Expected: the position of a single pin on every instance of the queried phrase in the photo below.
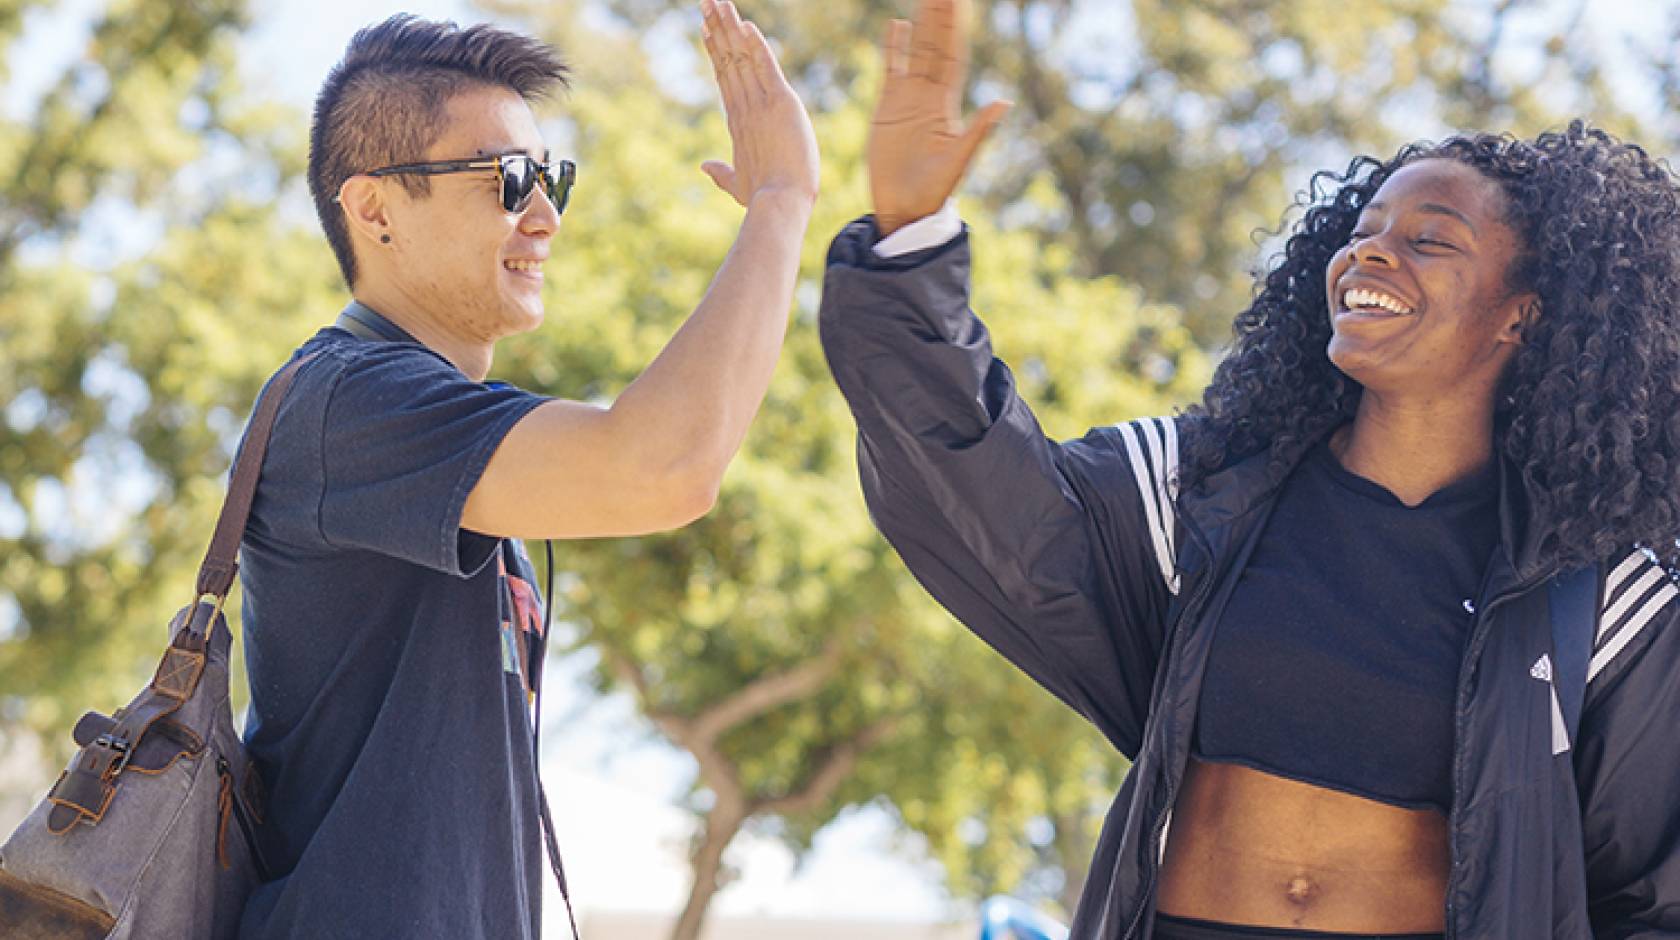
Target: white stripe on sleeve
(1169, 480)
(1622, 572)
(1615, 612)
(1150, 429)
(1151, 495)
(1631, 629)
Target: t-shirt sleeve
(405, 438)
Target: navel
(1302, 891)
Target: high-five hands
(774, 146)
(918, 146)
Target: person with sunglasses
(393, 632)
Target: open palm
(919, 148)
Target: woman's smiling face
(1420, 300)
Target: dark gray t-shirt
(389, 654)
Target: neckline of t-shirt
(1479, 487)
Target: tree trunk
(707, 863)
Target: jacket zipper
(1152, 861)
(1478, 638)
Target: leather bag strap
(221, 561)
(83, 792)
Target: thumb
(980, 128)
(722, 174)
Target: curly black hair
(1589, 409)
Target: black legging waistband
(1168, 927)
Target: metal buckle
(123, 748)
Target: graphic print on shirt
(521, 621)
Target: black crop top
(1336, 661)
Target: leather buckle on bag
(119, 746)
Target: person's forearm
(690, 409)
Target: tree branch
(820, 786)
(759, 696)
(675, 727)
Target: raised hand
(774, 146)
(918, 146)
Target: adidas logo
(1542, 668)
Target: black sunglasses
(517, 173)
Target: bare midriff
(1252, 848)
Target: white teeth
(1360, 297)
(512, 265)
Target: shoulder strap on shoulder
(1574, 610)
(363, 321)
(215, 575)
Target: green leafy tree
(150, 283)
(1162, 157)
(106, 466)
(778, 641)
(1175, 132)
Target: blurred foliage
(1175, 132)
(1115, 219)
(787, 574)
(125, 377)
(1159, 142)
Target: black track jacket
(1082, 564)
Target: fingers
(979, 129)
(895, 49)
(736, 41)
(760, 63)
(721, 29)
(741, 57)
(935, 38)
(711, 35)
(723, 176)
(921, 35)
(773, 144)
(951, 66)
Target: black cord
(549, 841)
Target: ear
(365, 210)
(1522, 312)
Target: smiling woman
(1553, 259)
(1479, 340)
(1421, 308)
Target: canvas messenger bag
(150, 831)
